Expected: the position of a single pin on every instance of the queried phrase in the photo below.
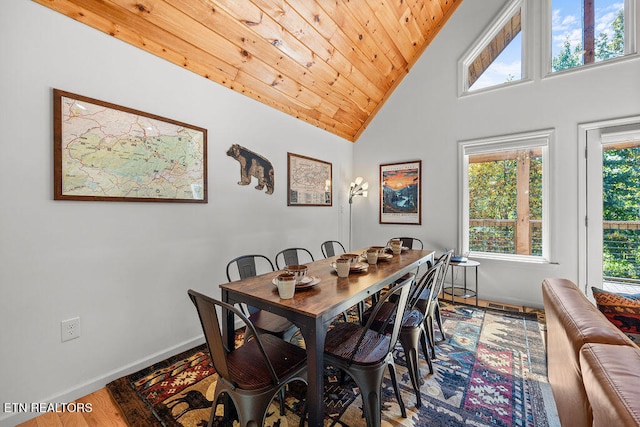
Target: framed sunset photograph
(400, 193)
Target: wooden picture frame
(401, 193)
(309, 181)
(106, 152)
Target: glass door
(613, 207)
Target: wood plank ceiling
(331, 63)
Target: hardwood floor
(106, 413)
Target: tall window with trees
(504, 196)
(588, 31)
(621, 211)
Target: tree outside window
(504, 200)
(586, 31)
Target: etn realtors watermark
(39, 407)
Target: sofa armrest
(611, 378)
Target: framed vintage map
(103, 151)
(309, 181)
(400, 193)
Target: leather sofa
(593, 368)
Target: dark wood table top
(332, 292)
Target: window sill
(594, 65)
(511, 258)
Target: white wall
(124, 268)
(424, 119)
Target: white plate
(306, 282)
(358, 267)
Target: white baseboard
(14, 418)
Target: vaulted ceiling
(331, 63)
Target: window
(589, 31)
(497, 57)
(505, 196)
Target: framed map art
(106, 152)
(309, 181)
(400, 193)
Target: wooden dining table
(313, 309)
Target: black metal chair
(252, 374)
(292, 256)
(332, 248)
(413, 333)
(433, 306)
(410, 242)
(364, 353)
(264, 321)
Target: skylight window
(497, 57)
(507, 67)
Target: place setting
(349, 263)
(395, 247)
(294, 278)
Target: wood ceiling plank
(419, 11)
(183, 26)
(409, 21)
(350, 35)
(434, 10)
(363, 13)
(338, 42)
(300, 111)
(400, 28)
(336, 64)
(307, 35)
(317, 74)
(318, 78)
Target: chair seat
(411, 319)
(267, 321)
(342, 339)
(247, 367)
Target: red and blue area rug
(491, 371)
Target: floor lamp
(358, 188)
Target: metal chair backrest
(290, 256)
(330, 248)
(445, 259)
(206, 307)
(397, 295)
(425, 288)
(246, 265)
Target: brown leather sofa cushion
(572, 321)
(612, 380)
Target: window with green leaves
(504, 196)
(589, 31)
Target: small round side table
(463, 291)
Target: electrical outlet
(70, 329)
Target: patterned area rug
(491, 371)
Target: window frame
(543, 139)
(488, 34)
(632, 18)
